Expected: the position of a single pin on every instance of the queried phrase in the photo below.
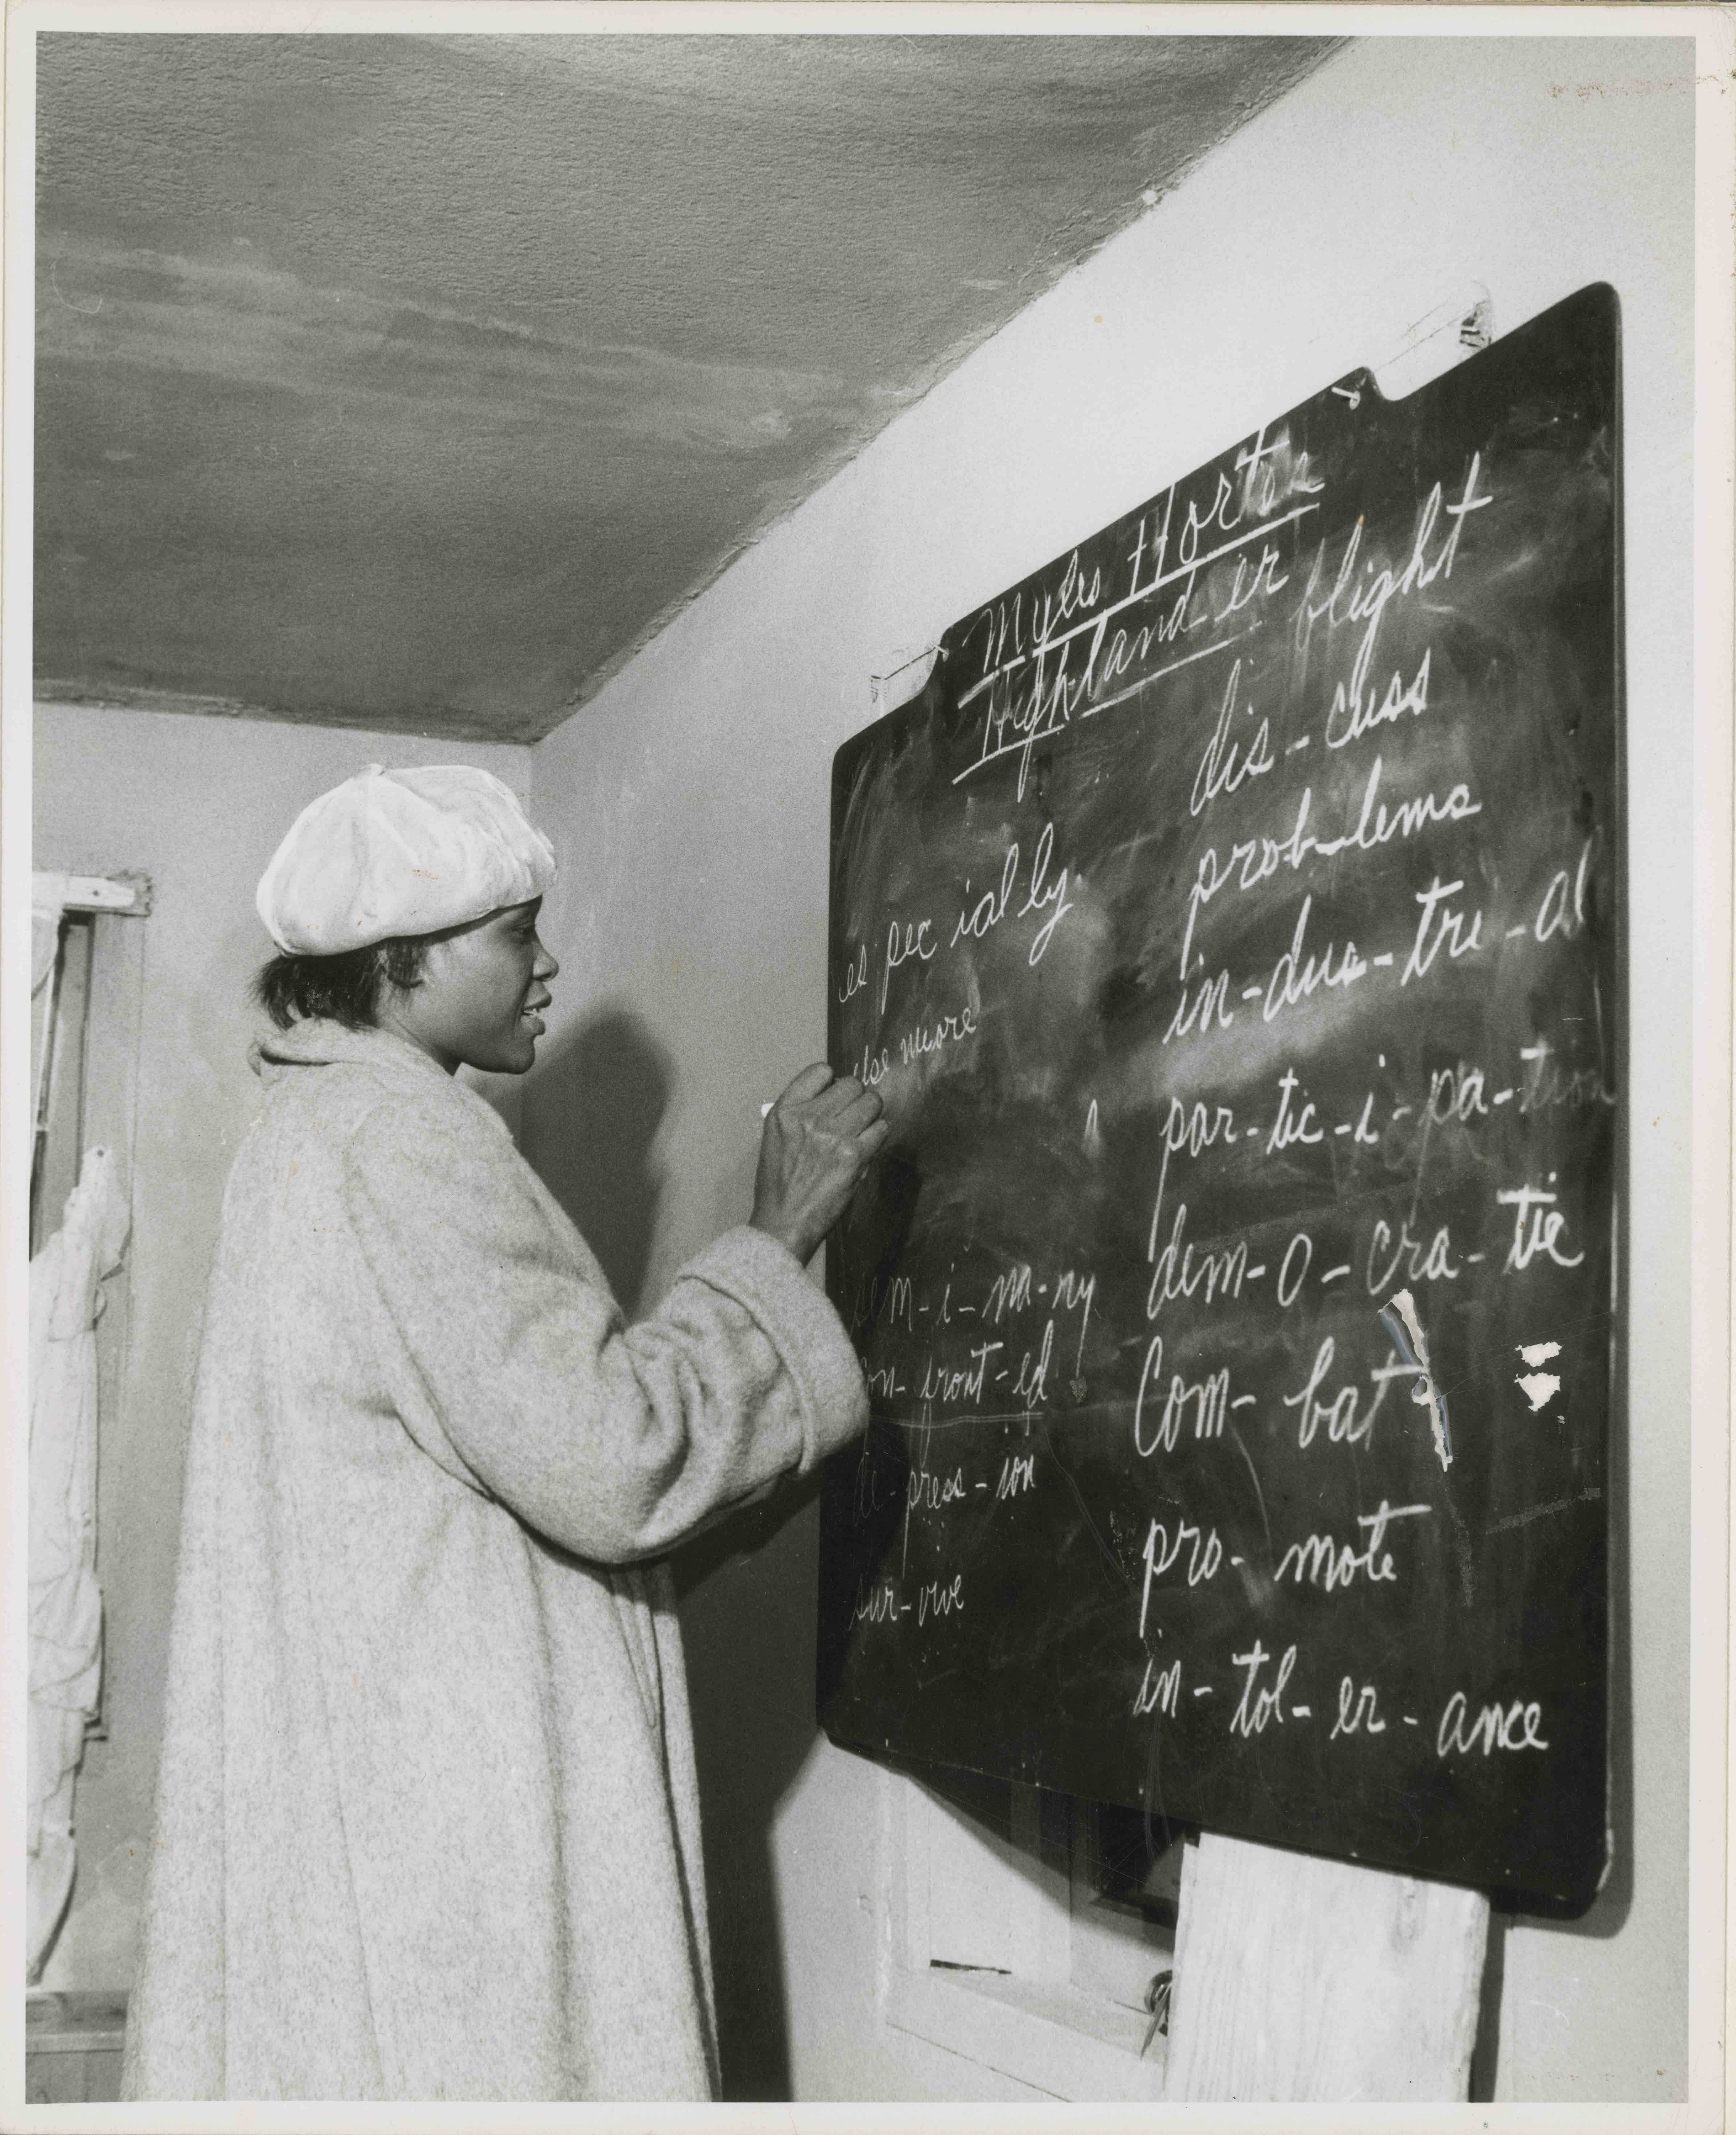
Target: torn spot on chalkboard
(1539, 1388)
(1398, 1316)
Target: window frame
(1031, 2021)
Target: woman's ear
(399, 964)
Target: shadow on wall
(746, 1588)
(603, 1093)
(746, 1592)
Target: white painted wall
(199, 805)
(690, 802)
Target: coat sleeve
(615, 1442)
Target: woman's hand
(819, 1138)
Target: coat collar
(317, 1041)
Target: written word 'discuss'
(1231, 928)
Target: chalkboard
(1232, 927)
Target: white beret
(400, 852)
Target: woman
(427, 1819)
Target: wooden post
(1301, 1980)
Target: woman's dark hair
(345, 988)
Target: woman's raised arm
(615, 1442)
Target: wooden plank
(130, 893)
(1305, 1980)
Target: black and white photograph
(868, 1191)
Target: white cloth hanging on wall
(65, 1603)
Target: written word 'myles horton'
(875, 1245)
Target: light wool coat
(428, 1825)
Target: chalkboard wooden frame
(1235, 927)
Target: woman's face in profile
(480, 987)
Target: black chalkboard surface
(1232, 927)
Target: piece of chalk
(766, 1109)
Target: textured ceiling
(409, 383)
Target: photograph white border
(1714, 29)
